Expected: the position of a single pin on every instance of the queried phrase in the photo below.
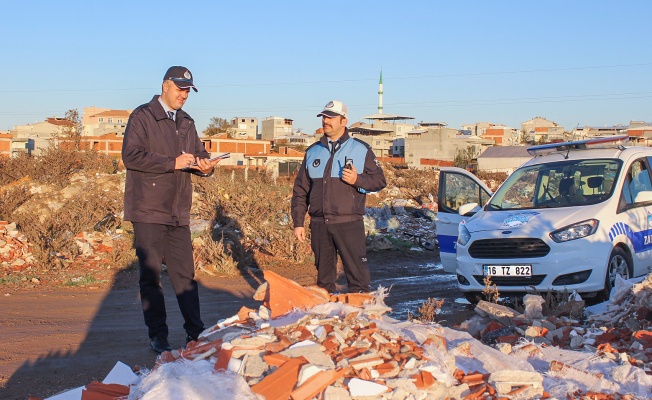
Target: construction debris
(345, 347)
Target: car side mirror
(642, 197)
(469, 209)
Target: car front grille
(509, 248)
(512, 280)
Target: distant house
(33, 138)
(588, 132)
(503, 158)
(502, 135)
(238, 148)
(273, 127)
(5, 144)
(101, 121)
(640, 133)
(539, 129)
(245, 127)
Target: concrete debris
(331, 347)
(405, 220)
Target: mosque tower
(380, 93)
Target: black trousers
(154, 243)
(347, 239)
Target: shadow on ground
(96, 330)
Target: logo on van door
(516, 220)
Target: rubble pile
(16, 253)
(303, 343)
(404, 219)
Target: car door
(636, 213)
(457, 186)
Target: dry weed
(427, 312)
(53, 233)
(254, 210)
(213, 256)
(12, 197)
(490, 292)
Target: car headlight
(575, 231)
(463, 235)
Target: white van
(570, 219)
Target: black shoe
(160, 344)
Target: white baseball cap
(333, 108)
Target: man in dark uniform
(161, 149)
(331, 186)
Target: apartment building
(273, 127)
(101, 121)
(245, 127)
(539, 129)
(502, 135)
(33, 138)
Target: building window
(100, 120)
(110, 120)
(377, 142)
(119, 120)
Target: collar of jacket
(324, 138)
(159, 111)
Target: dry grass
(214, 257)
(52, 232)
(253, 212)
(490, 292)
(427, 312)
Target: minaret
(380, 93)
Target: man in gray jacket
(161, 149)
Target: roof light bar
(602, 142)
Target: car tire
(620, 263)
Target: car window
(558, 184)
(636, 181)
(461, 189)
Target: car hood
(523, 222)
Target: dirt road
(54, 340)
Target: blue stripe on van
(447, 243)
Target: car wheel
(619, 264)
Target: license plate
(507, 270)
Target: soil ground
(55, 339)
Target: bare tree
(73, 131)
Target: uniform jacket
(154, 191)
(319, 189)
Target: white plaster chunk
(507, 377)
(359, 387)
(307, 371)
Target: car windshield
(558, 184)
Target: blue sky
(574, 62)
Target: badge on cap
(329, 105)
(187, 75)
